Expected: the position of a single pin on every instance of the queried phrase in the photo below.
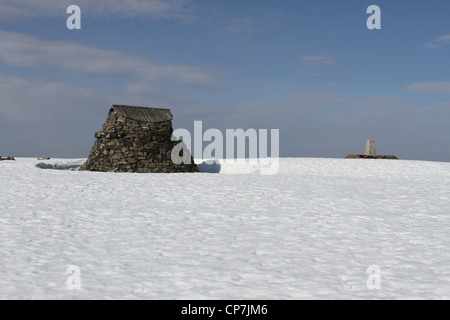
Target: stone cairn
(136, 139)
(370, 153)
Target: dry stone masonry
(136, 139)
(370, 153)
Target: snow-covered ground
(316, 230)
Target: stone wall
(126, 145)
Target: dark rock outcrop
(365, 156)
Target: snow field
(309, 232)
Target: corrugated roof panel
(143, 114)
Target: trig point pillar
(370, 148)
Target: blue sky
(311, 69)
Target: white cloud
(238, 25)
(325, 85)
(382, 103)
(40, 100)
(260, 20)
(21, 50)
(49, 117)
(159, 9)
(316, 60)
(439, 41)
(44, 100)
(434, 87)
